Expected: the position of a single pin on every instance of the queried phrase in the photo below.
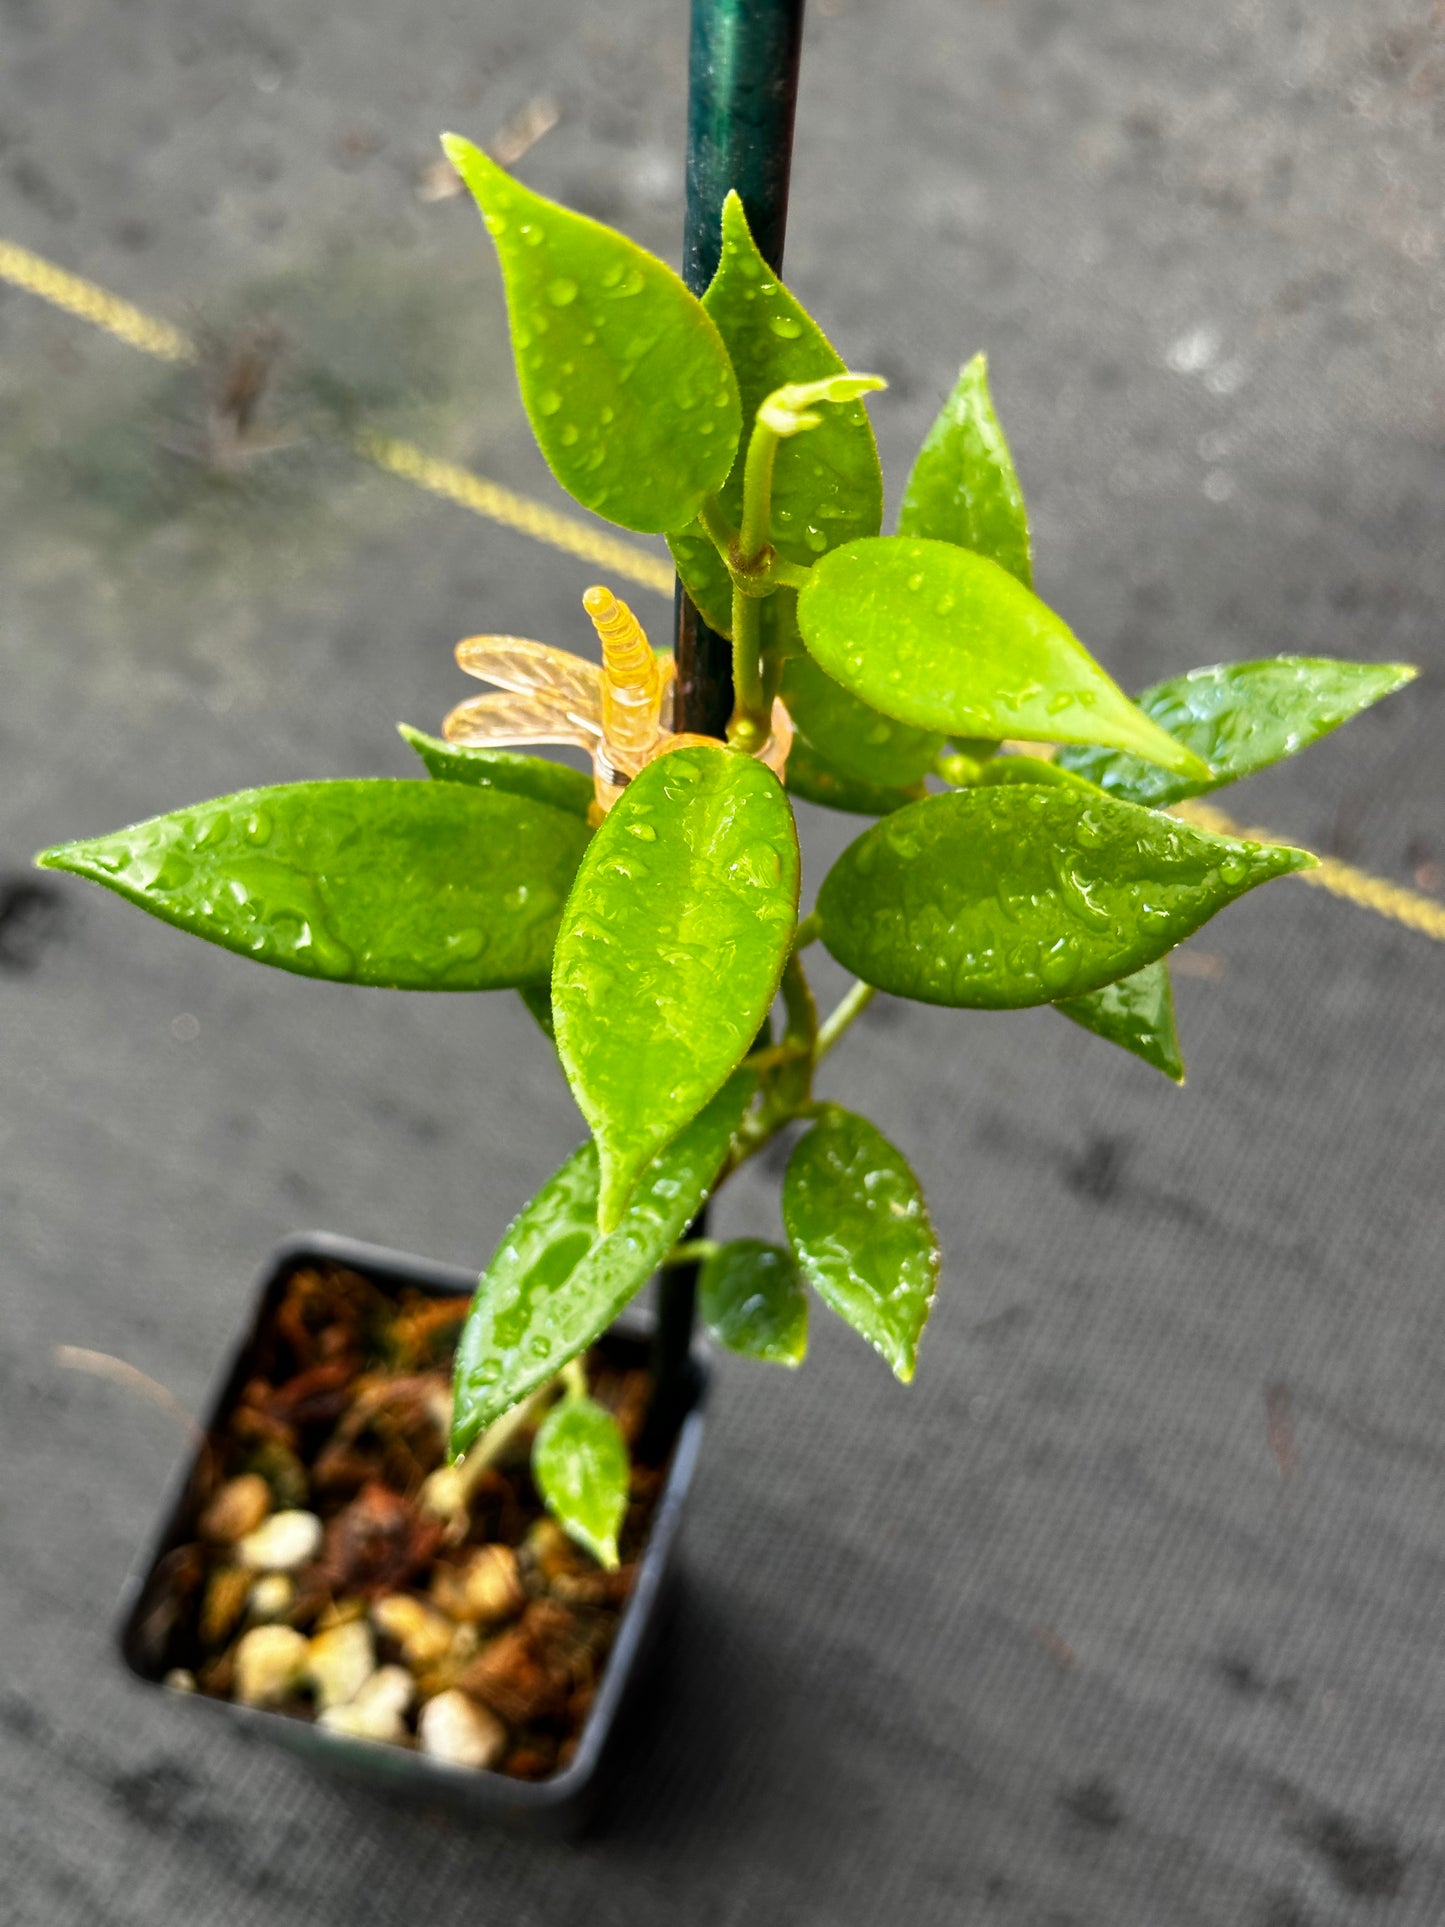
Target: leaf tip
(77, 858)
(460, 151)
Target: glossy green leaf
(671, 948)
(827, 486)
(556, 1281)
(1240, 717)
(859, 1229)
(414, 886)
(855, 740)
(1031, 769)
(947, 640)
(503, 769)
(810, 777)
(997, 898)
(964, 488)
(624, 377)
(581, 1469)
(1137, 1014)
(751, 1299)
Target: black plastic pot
(563, 1802)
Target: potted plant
(436, 1598)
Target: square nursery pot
(562, 1802)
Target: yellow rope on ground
(37, 276)
(1393, 900)
(566, 532)
(132, 325)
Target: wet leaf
(947, 640)
(1001, 770)
(556, 1281)
(752, 1300)
(1137, 1014)
(414, 886)
(671, 948)
(810, 777)
(1240, 717)
(503, 769)
(997, 898)
(964, 488)
(625, 379)
(859, 1229)
(827, 486)
(580, 1465)
(856, 741)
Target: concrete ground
(1128, 1613)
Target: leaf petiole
(720, 530)
(842, 1016)
(692, 1251)
(748, 725)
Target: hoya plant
(1021, 851)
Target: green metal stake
(742, 90)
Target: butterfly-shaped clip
(620, 711)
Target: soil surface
(1127, 1612)
(464, 1624)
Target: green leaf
(997, 898)
(859, 1229)
(1240, 717)
(1137, 1013)
(963, 488)
(556, 1281)
(414, 886)
(810, 777)
(503, 769)
(1001, 770)
(827, 487)
(671, 948)
(581, 1469)
(855, 740)
(947, 640)
(625, 379)
(752, 1300)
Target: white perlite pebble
(270, 1597)
(238, 1508)
(270, 1661)
(282, 1543)
(339, 1662)
(423, 1634)
(377, 1711)
(455, 1729)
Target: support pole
(742, 90)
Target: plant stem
(790, 1051)
(843, 1014)
(722, 533)
(692, 1251)
(748, 726)
(757, 528)
(809, 929)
